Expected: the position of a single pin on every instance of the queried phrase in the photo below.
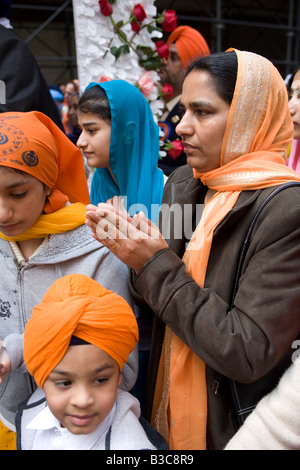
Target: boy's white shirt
(51, 435)
(126, 433)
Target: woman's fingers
(109, 223)
(114, 225)
(91, 207)
(145, 226)
(91, 220)
(133, 240)
(118, 203)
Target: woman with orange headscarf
(225, 340)
(43, 197)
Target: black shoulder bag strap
(246, 396)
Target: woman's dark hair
(222, 67)
(95, 101)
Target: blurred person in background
(294, 105)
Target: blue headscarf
(133, 154)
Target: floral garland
(149, 58)
(115, 39)
(149, 55)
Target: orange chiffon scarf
(253, 155)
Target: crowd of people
(157, 306)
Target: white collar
(49, 430)
(170, 104)
(44, 420)
(5, 22)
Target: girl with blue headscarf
(121, 140)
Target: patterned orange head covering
(31, 142)
(76, 305)
(190, 44)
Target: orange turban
(190, 44)
(76, 305)
(31, 142)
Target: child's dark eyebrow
(17, 183)
(96, 371)
(91, 123)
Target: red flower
(105, 7)
(162, 49)
(139, 12)
(176, 150)
(167, 90)
(140, 15)
(135, 26)
(170, 21)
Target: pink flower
(145, 84)
(170, 21)
(176, 150)
(162, 49)
(139, 12)
(105, 7)
(167, 90)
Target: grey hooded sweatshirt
(23, 285)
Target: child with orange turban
(43, 236)
(75, 345)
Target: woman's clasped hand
(134, 240)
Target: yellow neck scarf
(63, 220)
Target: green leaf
(152, 28)
(147, 50)
(151, 64)
(132, 19)
(161, 17)
(117, 51)
(168, 145)
(124, 49)
(121, 35)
